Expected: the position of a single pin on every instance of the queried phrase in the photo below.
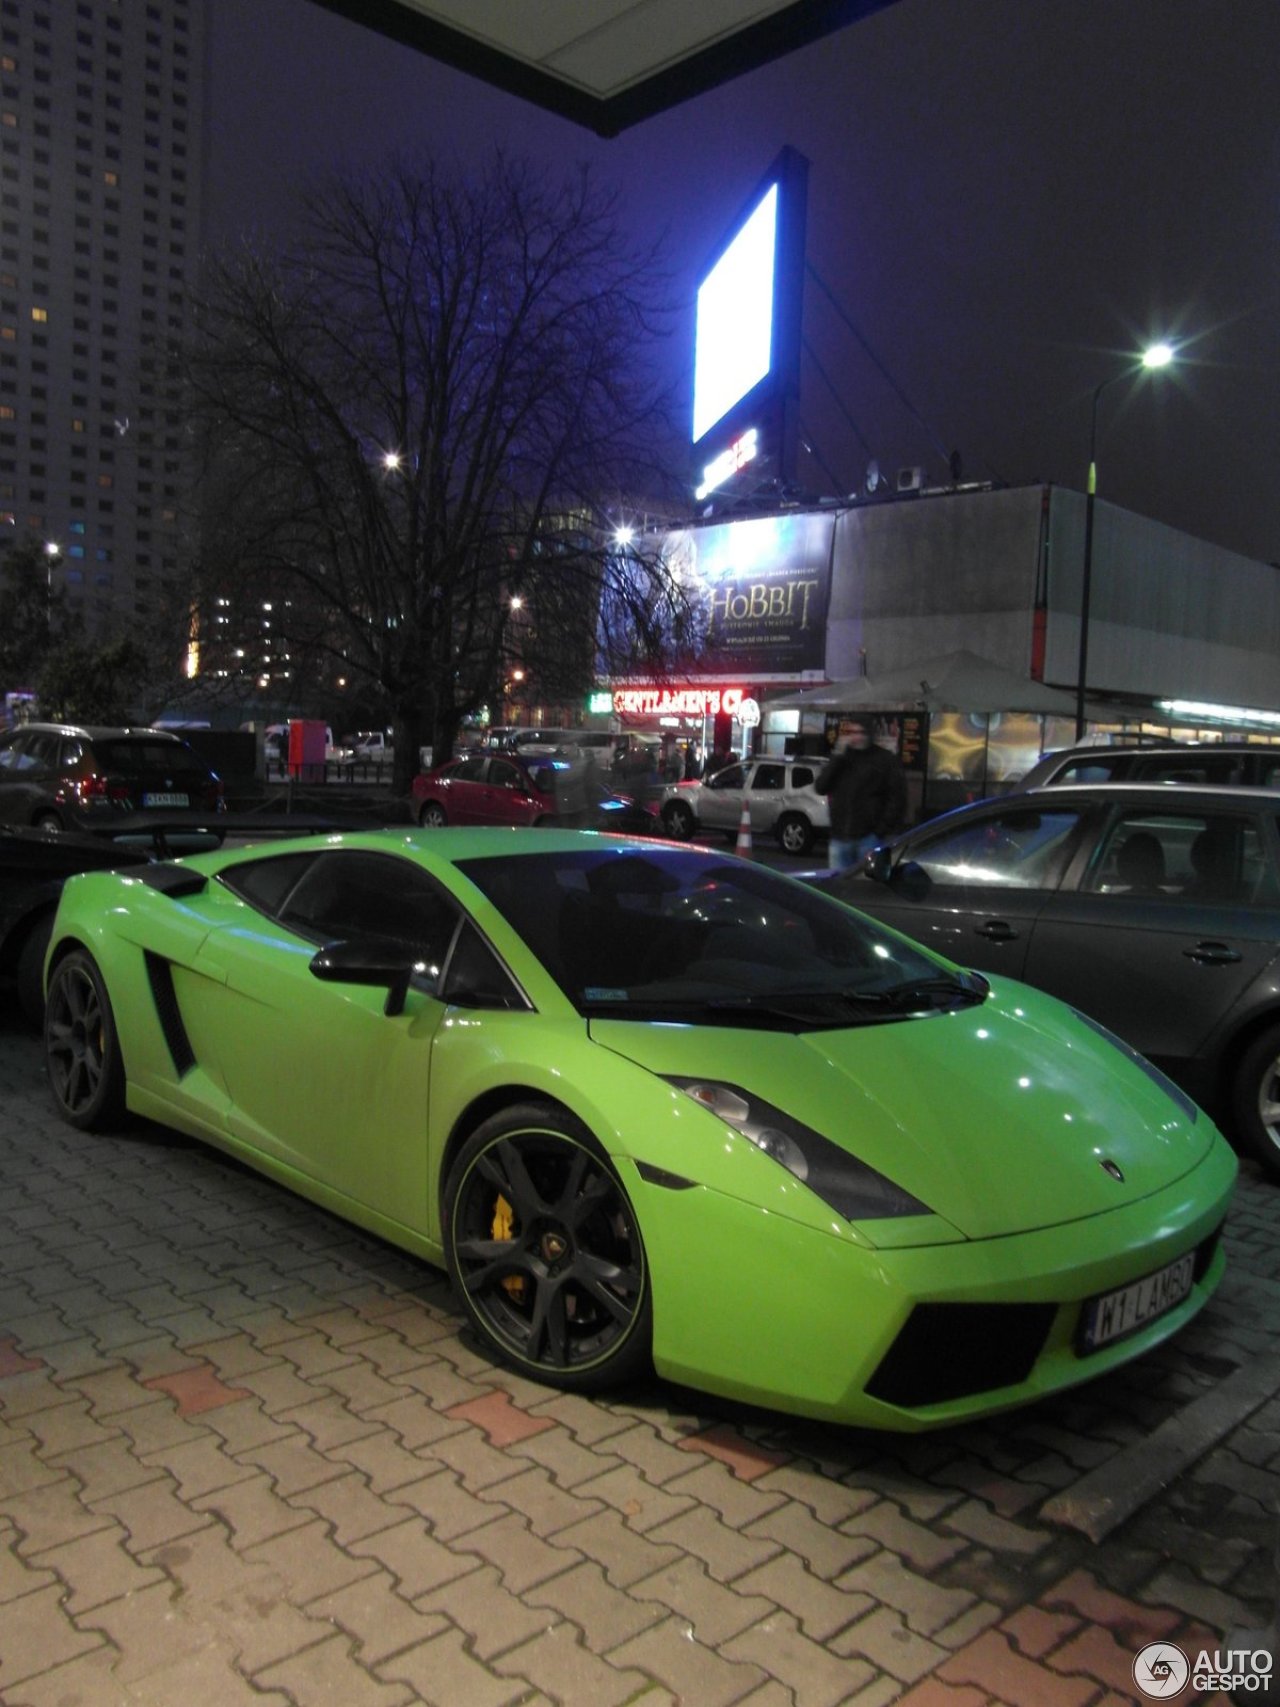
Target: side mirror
(910, 879)
(388, 965)
(878, 865)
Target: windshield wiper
(921, 993)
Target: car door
(766, 787)
(320, 1079)
(721, 798)
(984, 877)
(463, 791)
(1161, 947)
(28, 774)
(509, 798)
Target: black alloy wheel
(542, 1244)
(795, 833)
(81, 1047)
(678, 820)
(432, 816)
(1257, 1099)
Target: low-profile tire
(678, 821)
(544, 1250)
(795, 833)
(81, 1046)
(30, 970)
(1257, 1099)
(432, 816)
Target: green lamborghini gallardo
(654, 1105)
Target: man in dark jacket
(866, 792)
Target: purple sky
(1008, 196)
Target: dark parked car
(1155, 910)
(1228, 763)
(61, 776)
(515, 790)
(34, 865)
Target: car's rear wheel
(1257, 1099)
(543, 1246)
(30, 969)
(432, 815)
(795, 833)
(678, 820)
(81, 1046)
(47, 821)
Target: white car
(779, 793)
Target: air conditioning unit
(910, 479)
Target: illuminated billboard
(747, 334)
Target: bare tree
(411, 412)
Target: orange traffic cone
(743, 846)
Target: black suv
(64, 776)
(1216, 763)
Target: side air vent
(172, 879)
(160, 974)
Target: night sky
(1009, 197)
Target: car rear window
(141, 757)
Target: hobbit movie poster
(761, 588)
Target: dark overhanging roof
(605, 64)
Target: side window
(1197, 767)
(40, 752)
(469, 770)
(1021, 849)
(350, 895)
(1203, 858)
(475, 977)
(264, 883)
(769, 776)
(1268, 772)
(1086, 770)
(732, 776)
(9, 755)
(503, 774)
(801, 776)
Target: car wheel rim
(1269, 1101)
(432, 817)
(77, 1039)
(547, 1251)
(680, 823)
(793, 838)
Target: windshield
(685, 934)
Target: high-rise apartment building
(101, 129)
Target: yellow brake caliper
(504, 1227)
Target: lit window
(40, 314)
(111, 177)
(77, 426)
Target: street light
(1156, 356)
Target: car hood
(1003, 1118)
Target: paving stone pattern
(247, 1455)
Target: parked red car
(500, 788)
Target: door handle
(1213, 954)
(996, 930)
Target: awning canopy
(605, 64)
(956, 681)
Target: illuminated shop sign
(726, 465)
(676, 702)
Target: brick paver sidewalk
(246, 1456)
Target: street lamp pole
(1157, 356)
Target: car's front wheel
(678, 820)
(543, 1247)
(432, 816)
(81, 1046)
(795, 833)
(1257, 1099)
(47, 820)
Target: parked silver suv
(779, 793)
(1218, 763)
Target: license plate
(1131, 1307)
(166, 800)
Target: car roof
(1159, 747)
(100, 731)
(1179, 792)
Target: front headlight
(849, 1186)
